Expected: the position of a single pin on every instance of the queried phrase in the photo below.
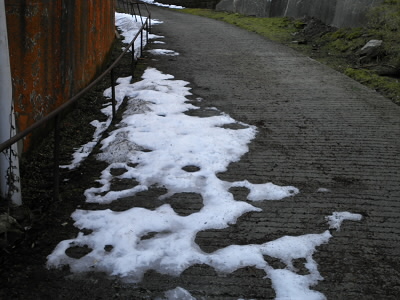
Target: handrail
(146, 26)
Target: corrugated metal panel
(56, 48)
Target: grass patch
(384, 85)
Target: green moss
(298, 24)
(349, 42)
(346, 33)
(338, 34)
(355, 33)
(388, 86)
(340, 45)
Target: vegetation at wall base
(276, 29)
(337, 48)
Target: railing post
(133, 12)
(113, 92)
(141, 42)
(56, 170)
(147, 30)
(133, 61)
(140, 13)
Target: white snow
(266, 191)
(83, 152)
(336, 219)
(163, 52)
(153, 143)
(162, 4)
(155, 119)
(129, 26)
(177, 294)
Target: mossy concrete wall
(338, 13)
(56, 49)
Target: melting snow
(153, 144)
(163, 52)
(155, 119)
(129, 26)
(177, 294)
(162, 4)
(336, 219)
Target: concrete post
(9, 164)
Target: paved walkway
(317, 129)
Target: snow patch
(153, 144)
(129, 26)
(177, 294)
(336, 219)
(163, 52)
(162, 4)
(160, 239)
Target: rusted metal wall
(56, 49)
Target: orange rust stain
(56, 49)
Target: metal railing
(143, 33)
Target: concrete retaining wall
(338, 13)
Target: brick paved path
(317, 129)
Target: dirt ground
(46, 222)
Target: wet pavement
(318, 130)
(334, 139)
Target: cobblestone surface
(317, 129)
